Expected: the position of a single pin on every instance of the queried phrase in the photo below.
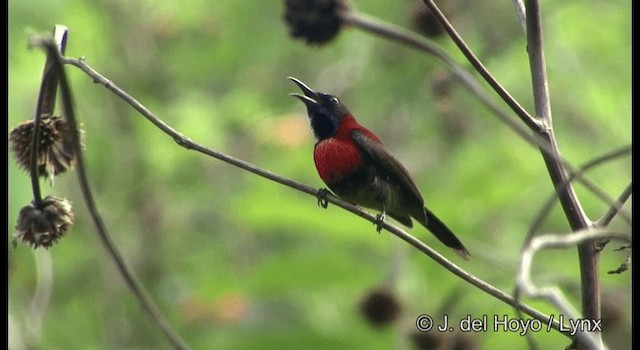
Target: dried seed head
(315, 21)
(380, 307)
(44, 226)
(56, 153)
(425, 22)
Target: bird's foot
(322, 197)
(380, 221)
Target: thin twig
(551, 201)
(615, 209)
(532, 123)
(124, 269)
(611, 213)
(188, 144)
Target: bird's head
(325, 111)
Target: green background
(238, 262)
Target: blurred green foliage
(238, 262)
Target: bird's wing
(380, 155)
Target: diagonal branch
(188, 144)
(410, 39)
(615, 209)
(551, 201)
(532, 123)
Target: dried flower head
(315, 21)
(380, 307)
(44, 226)
(56, 153)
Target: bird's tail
(442, 232)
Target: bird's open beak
(310, 97)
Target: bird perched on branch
(354, 164)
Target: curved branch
(188, 144)
(45, 106)
(553, 294)
(87, 193)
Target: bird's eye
(334, 100)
